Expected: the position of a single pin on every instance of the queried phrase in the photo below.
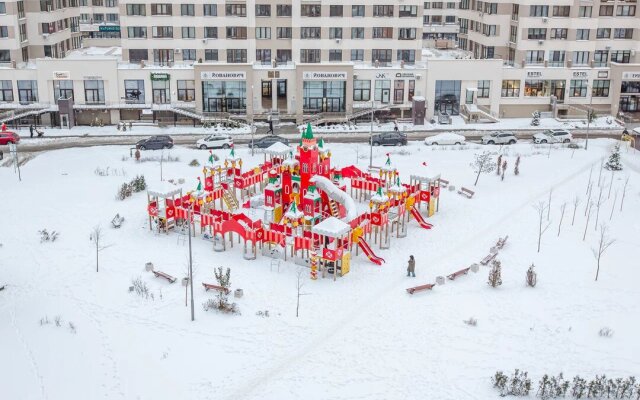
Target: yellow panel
(277, 213)
(432, 206)
(346, 263)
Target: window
(535, 88)
(578, 88)
(211, 32)
(491, 30)
(188, 54)
(357, 55)
(383, 11)
(187, 10)
(361, 90)
(263, 55)
(357, 11)
(381, 55)
(357, 33)
(438, 5)
(559, 33)
(162, 31)
(603, 33)
(621, 56)
(513, 33)
(236, 32)
(134, 91)
(382, 86)
(483, 89)
(137, 55)
(623, 33)
(606, 11)
(515, 12)
(283, 55)
(160, 91)
(310, 10)
(310, 32)
(138, 32)
(236, 10)
(408, 56)
(335, 11)
(556, 58)
(112, 17)
(382, 33)
(237, 55)
(510, 88)
(20, 5)
(283, 32)
(412, 89)
(94, 91)
(580, 57)
(600, 58)
(210, 10)
(186, 90)
(3, 10)
(161, 9)
(561, 11)
(263, 10)
(162, 56)
(406, 33)
(335, 55)
(537, 33)
(335, 33)
(211, 54)
(189, 32)
(309, 55)
(539, 11)
(584, 11)
(6, 90)
(582, 34)
(398, 91)
(600, 88)
(111, 3)
(283, 10)
(490, 8)
(450, 19)
(407, 11)
(263, 33)
(626, 11)
(4, 32)
(535, 57)
(451, 4)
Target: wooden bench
(458, 273)
(420, 288)
(488, 258)
(160, 274)
(443, 182)
(501, 242)
(209, 286)
(466, 192)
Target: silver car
(499, 138)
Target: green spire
(199, 188)
(293, 207)
(233, 152)
(320, 143)
(388, 160)
(311, 189)
(379, 191)
(308, 133)
(398, 181)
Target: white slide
(340, 196)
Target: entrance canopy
(331, 227)
(164, 190)
(278, 149)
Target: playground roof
(278, 149)
(164, 189)
(331, 227)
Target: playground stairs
(335, 210)
(230, 201)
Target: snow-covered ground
(361, 337)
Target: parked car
(9, 137)
(267, 141)
(389, 139)
(445, 138)
(553, 136)
(155, 143)
(215, 141)
(499, 138)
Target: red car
(9, 137)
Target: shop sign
(160, 76)
(222, 75)
(631, 75)
(59, 75)
(603, 74)
(405, 75)
(534, 74)
(92, 78)
(109, 28)
(324, 76)
(383, 75)
(579, 74)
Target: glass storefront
(224, 96)
(447, 98)
(545, 88)
(324, 96)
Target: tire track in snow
(32, 359)
(369, 304)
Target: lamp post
(590, 90)
(371, 137)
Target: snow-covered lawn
(361, 337)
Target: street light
(590, 90)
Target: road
(45, 144)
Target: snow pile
(336, 194)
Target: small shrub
(140, 287)
(138, 184)
(471, 321)
(46, 236)
(194, 163)
(58, 320)
(221, 302)
(495, 275)
(44, 321)
(532, 277)
(605, 332)
(72, 327)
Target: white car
(553, 136)
(445, 138)
(214, 141)
(500, 138)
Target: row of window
(264, 10)
(581, 34)
(438, 19)
(546, 88)
(51, 5)
(605, 10)
(556, 58)
(439, 5)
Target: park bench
(501, 242)
(458, 273)
(420, 288)
(209, 286)
(466, 192)
(443, 182)
(488, 258)
(160, 274)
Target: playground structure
(297, 205)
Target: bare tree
(299, 286)
(598, 204)
(549, 204)
(96, 237)
(542, 226)
(589, 208)
(601, 168)
(498, 165)
(610, 185)
(613, 206)
(603, 244)
(588, 203)
(589, 182)
(576, 202)
(624, 192)
(562, 208)
(482, 164)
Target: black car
(389, 139)
(267, 141)
(155, 143)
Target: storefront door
(386, 94)
(217, 104)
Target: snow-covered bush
(605, 332)
(194, 163)
(532, 276)
(578, 387)
(45, 236)
(72, 327)
(518, 384)
(495, 275)
(221, 302)
(471, 321)
(613, 164)
(140, 287)
(138, 184)
(535, 118)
